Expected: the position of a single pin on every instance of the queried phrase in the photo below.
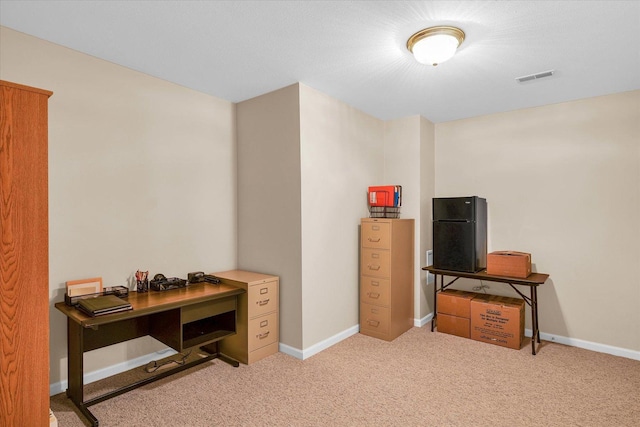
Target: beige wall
(141, 176)
(563, 183)
(341, 154)
(402, 164)
(427, 193)
(269, 198)
(409, 154)
(304, 162)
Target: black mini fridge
(460, 233)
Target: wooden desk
(197, 315)
(533, 281)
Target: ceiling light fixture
(433, 46)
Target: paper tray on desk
(119, 291)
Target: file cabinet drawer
(376, 235)
(374, 290)
(376, 262)
(263, 331)
(263, 298)
(374, 318)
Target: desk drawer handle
(374, 240)
(374, 267)
(261, 336)
(373, 295)
(263, 302)
(374, 323)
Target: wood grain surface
(24, 265)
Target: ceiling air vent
(536, 76)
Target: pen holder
(142, 285)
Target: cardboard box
(509, 263)
(454, 325)
(455, 303)
(498, 320)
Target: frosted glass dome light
(435, 45)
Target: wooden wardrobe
(24, 256)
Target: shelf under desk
(197, 315)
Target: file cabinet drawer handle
(263, 302)
(261, 336)
(374, 295)
(374, 323)
(373, 267)
(374, 240)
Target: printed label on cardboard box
(498, 320)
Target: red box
(498, 320)
(386, 195)
(509, 264)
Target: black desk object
(198, 315)
(532, 281)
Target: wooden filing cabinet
(257, 316)
(386, 277)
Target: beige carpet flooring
(419, 379)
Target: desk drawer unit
(263, 298)
(386, 277)
(258, 316)
(263, 330)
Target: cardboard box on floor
(454, 325)
(498, 320)
(455, 303)
(454, 312)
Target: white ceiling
(356, 51)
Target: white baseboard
(322, 345)
(90, 377)
(419, 323)
(588, 345)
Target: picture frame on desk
(84, 286)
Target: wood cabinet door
(24, 252)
